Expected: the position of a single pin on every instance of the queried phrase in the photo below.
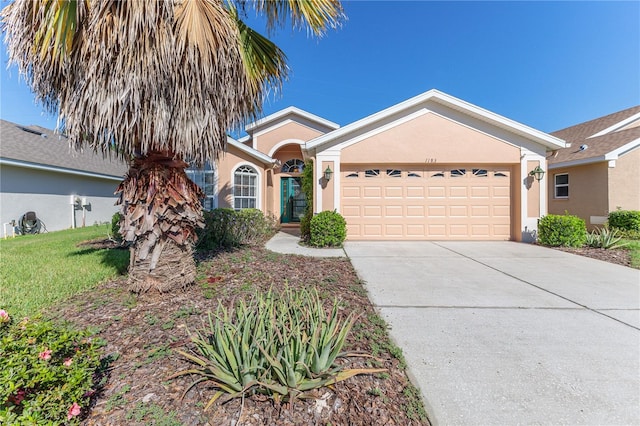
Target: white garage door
(465, 203)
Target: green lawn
(36, 271)
(634, 247)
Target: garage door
(464, 202)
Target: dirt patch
(140, 334)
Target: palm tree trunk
(161, 212)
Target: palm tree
(155, 83)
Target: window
(293, 166)
(561, 185)
(372, 173)
(438, 175)
(394, 173)
(458, 172)
(245, 188)
(414, 174)
(206, 181)
(480, 172)
(499, 174)
(352, 175)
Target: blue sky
(545, 64)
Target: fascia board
(613, 155)
(250, 151)
(616, 126)
(581, 162)
(35, 166)
(434, 95)
(290, 110)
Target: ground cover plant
(141, 335)
(48, 372)
(40, 270)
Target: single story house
(600, 171)
(40, 173)
(433, 167)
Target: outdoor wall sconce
(328, 172)
(538, 173)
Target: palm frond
(316, 15)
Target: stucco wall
(267, 141)
(588, 193)
(624, 182)
(48, 195)
(228, 163)
(431, 138)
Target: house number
(430, 160)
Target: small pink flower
(4, 316)
(74, 410)
(46, 355)
(67, 362)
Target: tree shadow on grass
(117, 258)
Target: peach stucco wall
(231, 160)
(431, 139)
(533, 191)
(265, 142)
(588, 193)
(624, 182)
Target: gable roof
(264, 158)
(40, 148)
(295, 114)
(601, 139)
(433, 95)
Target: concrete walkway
(509, 333)
(286, 241)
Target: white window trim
(258, 183)
(213, 170)
(562, 185)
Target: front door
(292, 200)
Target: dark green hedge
(626, 220)
(328, 229)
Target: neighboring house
(600, 171)
(433, 167)
(40, 173)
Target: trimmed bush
(46, 372)
(115, 227)
(328, 229)
(227, 228)
(307, 188)
(625, 220)
(567, 230)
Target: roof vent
(584, 147)
(26, 129)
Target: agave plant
(154, 83)
(279, 344)
(605, 238)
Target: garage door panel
(393, 211)
(372, 192)
(438, 203)
(415, 191)
(393, 192)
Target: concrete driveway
(507, 333)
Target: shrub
(626, 220)
(605, 238)
(567, 230)
(279, 344)
(328, 229)
(227, 228)
(46, 372)
(115, 227)
(307, 188)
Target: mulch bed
(140, 334)
(620, 257)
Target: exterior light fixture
(537, 173)
(327, 174)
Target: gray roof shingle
(40, 146)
